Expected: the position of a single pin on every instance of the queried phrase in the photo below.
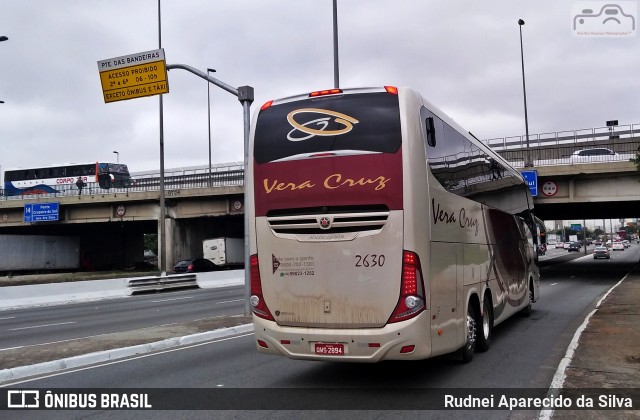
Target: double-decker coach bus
(59, 178)
(380, 229)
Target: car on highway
(559, 245)
(601, 252)
(567, 245)
(617, 246)
(592, 155)
(598, 154)
(574, 246)
(194, 265)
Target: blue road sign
(531, 178)
(41, 212)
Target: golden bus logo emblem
(318, 126)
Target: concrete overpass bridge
(111, 223)
(580, 187)
(607, 190)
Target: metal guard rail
(160, 283)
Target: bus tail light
(325, 92)
(258, 305)
(391, 89)
(412, 297)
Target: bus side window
(431, 132)
(43, 173)
(14, 175)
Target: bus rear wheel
(484, 330)
(470, 346)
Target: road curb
(75, 362)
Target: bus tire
(484, 328)
(470, 346)
(527, 310)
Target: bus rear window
(368, 122)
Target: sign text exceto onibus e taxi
(133, 76)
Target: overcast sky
(463, 56)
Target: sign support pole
(245, 95)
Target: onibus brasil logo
(343, 123)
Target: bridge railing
(194, 180)
(558, 138)
(544, 149)
(563, 154)
(152, 183)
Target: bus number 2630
(370, 260)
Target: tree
(636, 159)
(151, 242)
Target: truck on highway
(226, 253)
(36, 253)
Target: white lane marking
(99, 335)
(558, 379)
(553, 284)
(8, 317)
(230, 301)
(191, 297)
(127, 359)
(42, 326)
(169, 300)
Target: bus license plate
(330, 349)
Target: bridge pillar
(169, 224)
(185, 235)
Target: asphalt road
(50, 324)
(525, 353)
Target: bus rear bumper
(408, 340)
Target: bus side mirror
(431, 132)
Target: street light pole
(162, 245)
(117, 156)
(209, 122)
(524, 91)
(3, 38)
(336, 71)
